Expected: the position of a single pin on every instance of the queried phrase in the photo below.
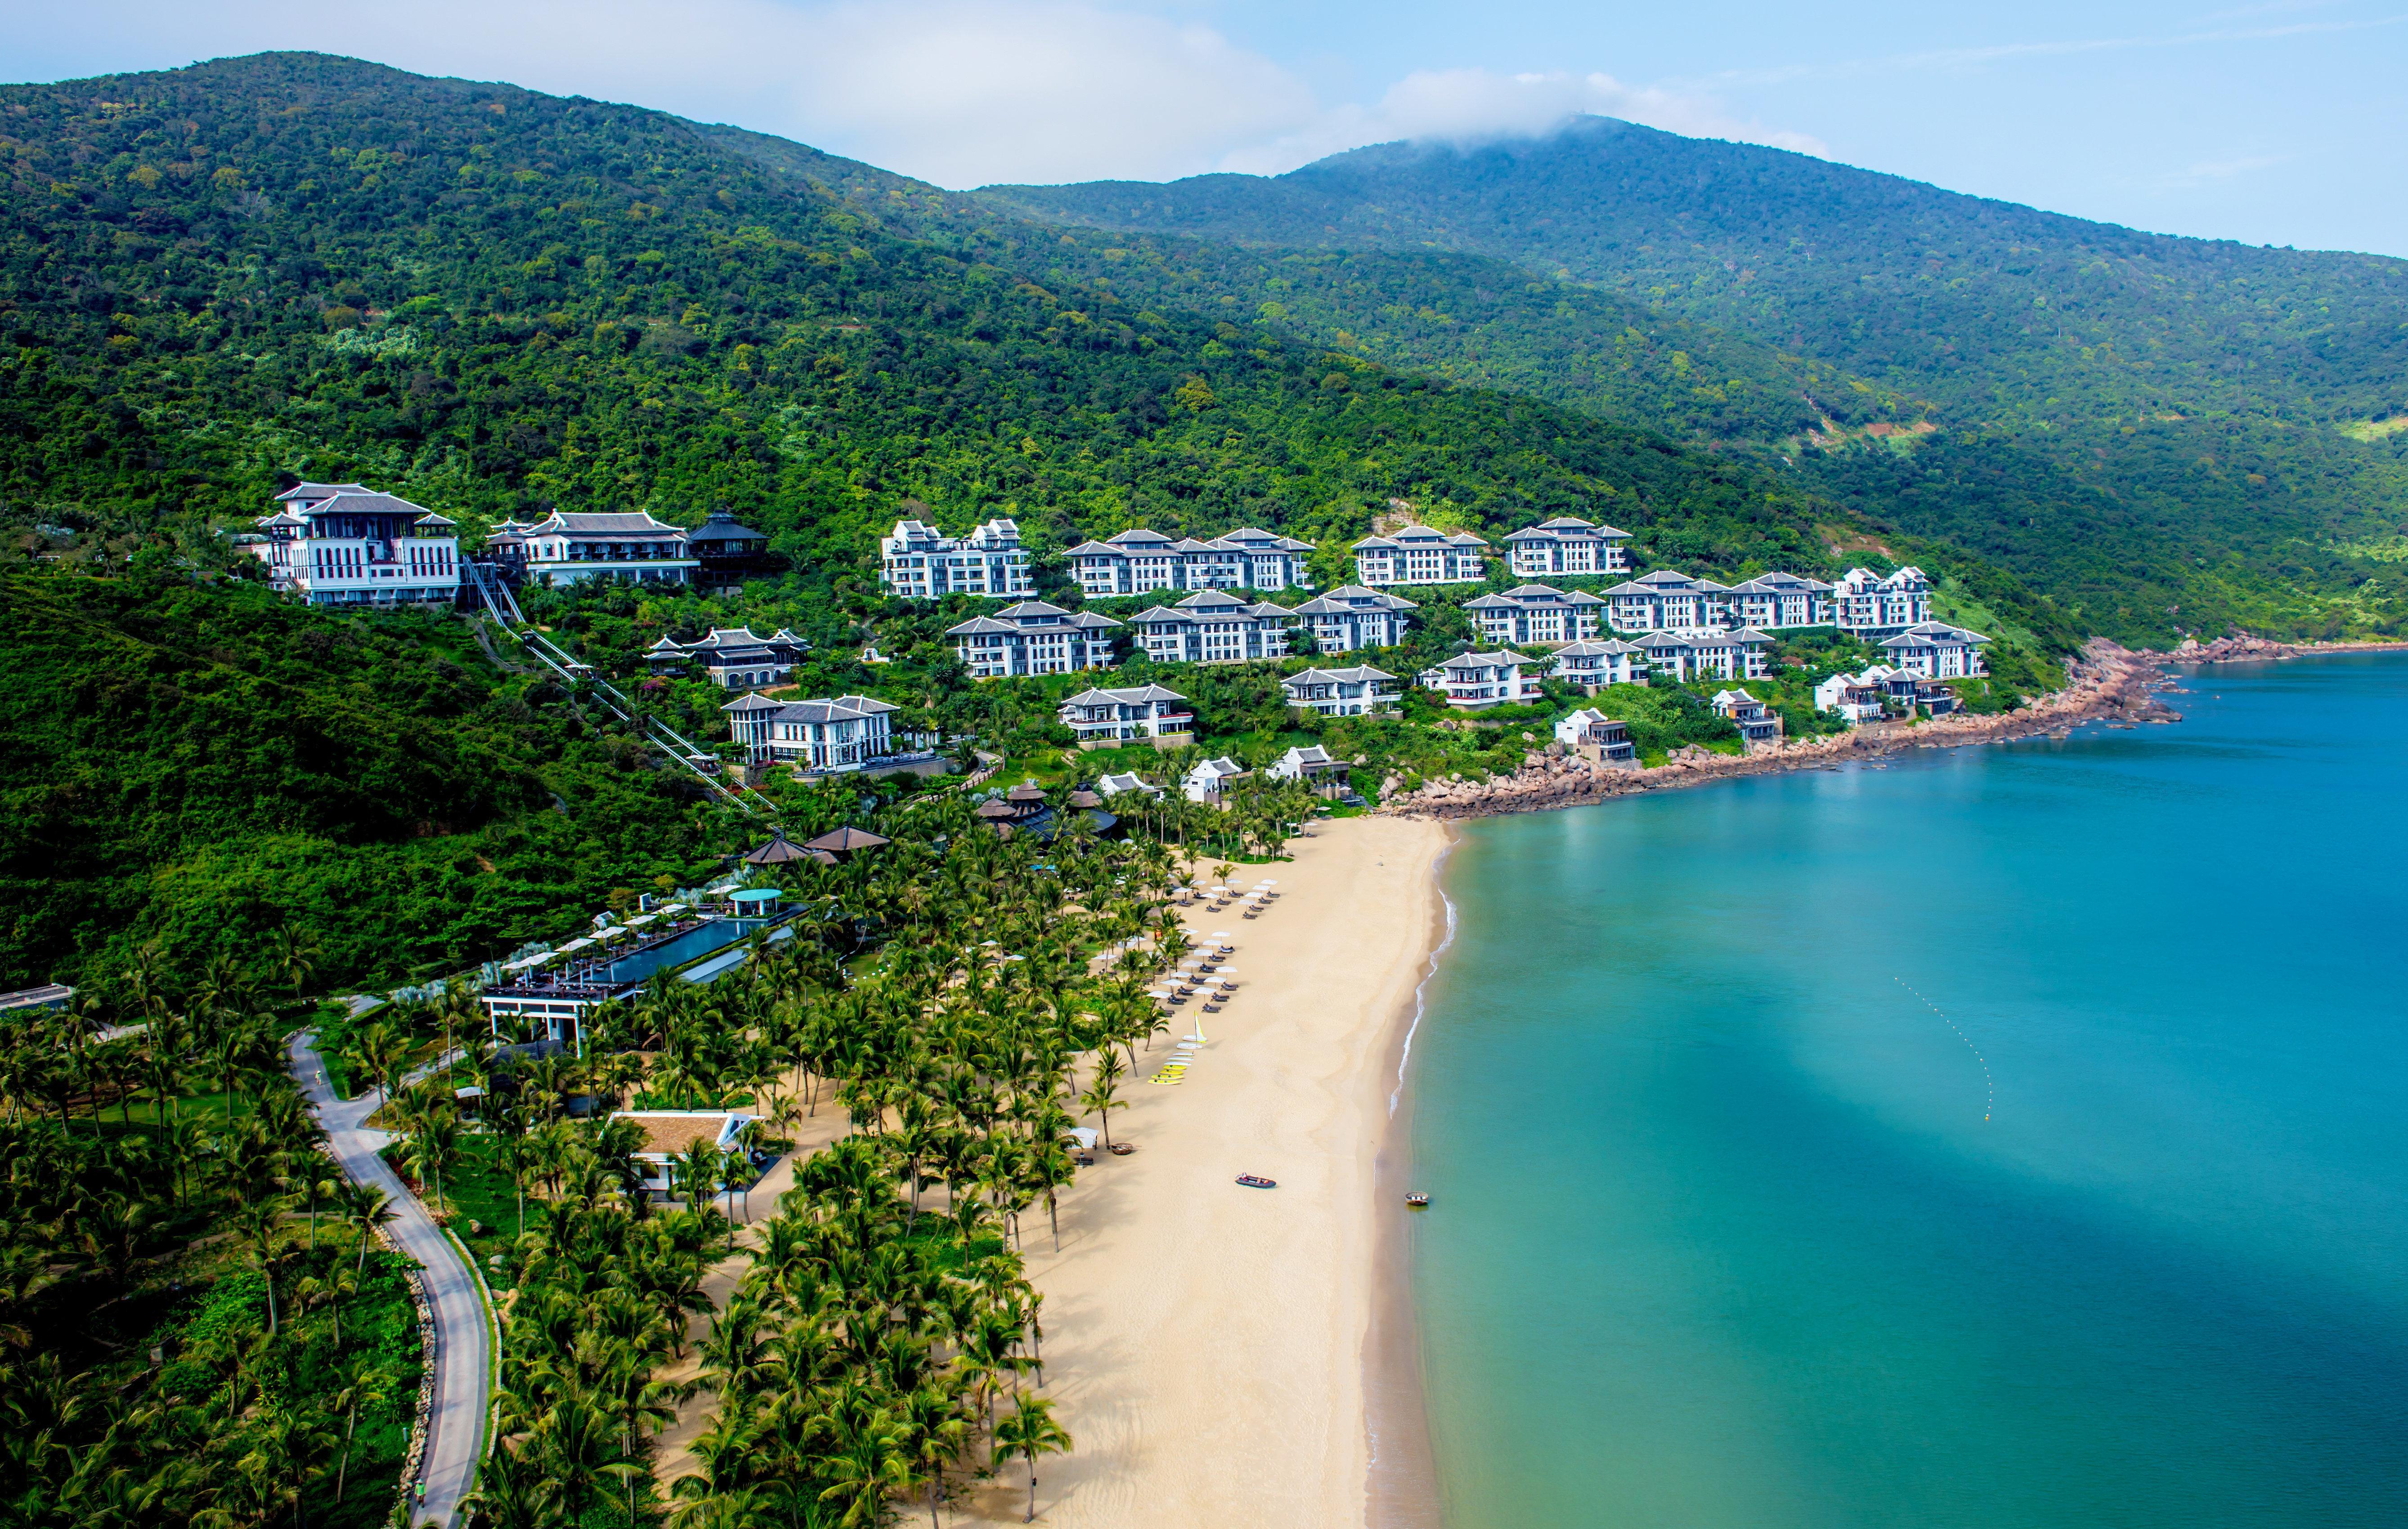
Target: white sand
(1204, 1343)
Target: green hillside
(199, 764)
(2171, 431)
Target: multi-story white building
(1475, 680)
(1936, 650)
(735, 657)
(1667, 601)
(1359, 691)
(1594, 666)
(1597, 736)
(340, 544)
(567, 547)
(1420, 555)
(1775, 600)
(1856, 697)
(1568, 546)
(1745, 712)
(1350, 617)
(1709, 655)
(1868, 604)
(842, 733)
(917, 562)
(1033, 637)
(1118, 716)
(1212, 626)
(1141, 562)
(1536, 613)
(1209, 782)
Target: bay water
(2010, 1136)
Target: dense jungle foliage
(195, 765)
(495, 301)
(2164, 433)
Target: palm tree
(573, 1441)
(1098, 1100)
(366, 1208)
(293, 953)
(361, 1382)
(256, 1222)
(1029, 1433)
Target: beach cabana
(778, 851)
(844, 841)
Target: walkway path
(455, 1440)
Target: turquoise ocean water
(1723, 1238)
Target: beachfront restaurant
(549, 991)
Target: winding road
(463, 1353)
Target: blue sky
(2274, 123)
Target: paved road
(463, 1342)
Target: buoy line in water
(1989, 1085)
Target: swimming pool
(698, 941)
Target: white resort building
(670, 1134)
(1771, 601)
(1212, 626)
(1594, 666)
(1870, 605)
(568, 547)
(1568, 546)
(1420, 554)
(1309, 763)
(841, 734)
(1744, 711)
(1473, 680)
(1856, 697)
(733, 656)
(1665, 601)
(1350, 617)
(1209, 781)
(1593, 735)
(1033, 637)
(1359, 691)
(916, 562)
(340, 544)
(1120, 716)
(1936, 650)
(1709, 655)
(1141, 562)
(1535, 613)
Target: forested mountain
(495, 301)
(2136, 422)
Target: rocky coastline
(2245, 648)
(2108, 683)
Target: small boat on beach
(1418, 1199)
(1251, 1180)
(1123, 1148)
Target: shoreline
(2110, 684)
(1218, 1352)
(1402, 1488)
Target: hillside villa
(1756, 725)
(844, 733)
(1743, 654)
(1420, 554)
(1212, 626)
(1139, 562)
(735, 657)
(1936, 650)
(1359, 691)
(1101, 717)
(1033, 637)
(916, 562)
(568, 547)
(1594, 666)
(1475, 680)
(1535, 614)
(1870, 605)
(342, 543)
(1593, 735)
(1309, 763)
(1350, 617)
(1209, 781)
(1566, 544)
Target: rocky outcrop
(2108, 683)
(2243, 649)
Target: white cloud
(1470, 105)
(957, 92)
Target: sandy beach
(1206, 1344)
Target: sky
(2273, 123)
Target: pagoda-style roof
(778, 851)
(995, 808)
(1027, 792)
(845, 840)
